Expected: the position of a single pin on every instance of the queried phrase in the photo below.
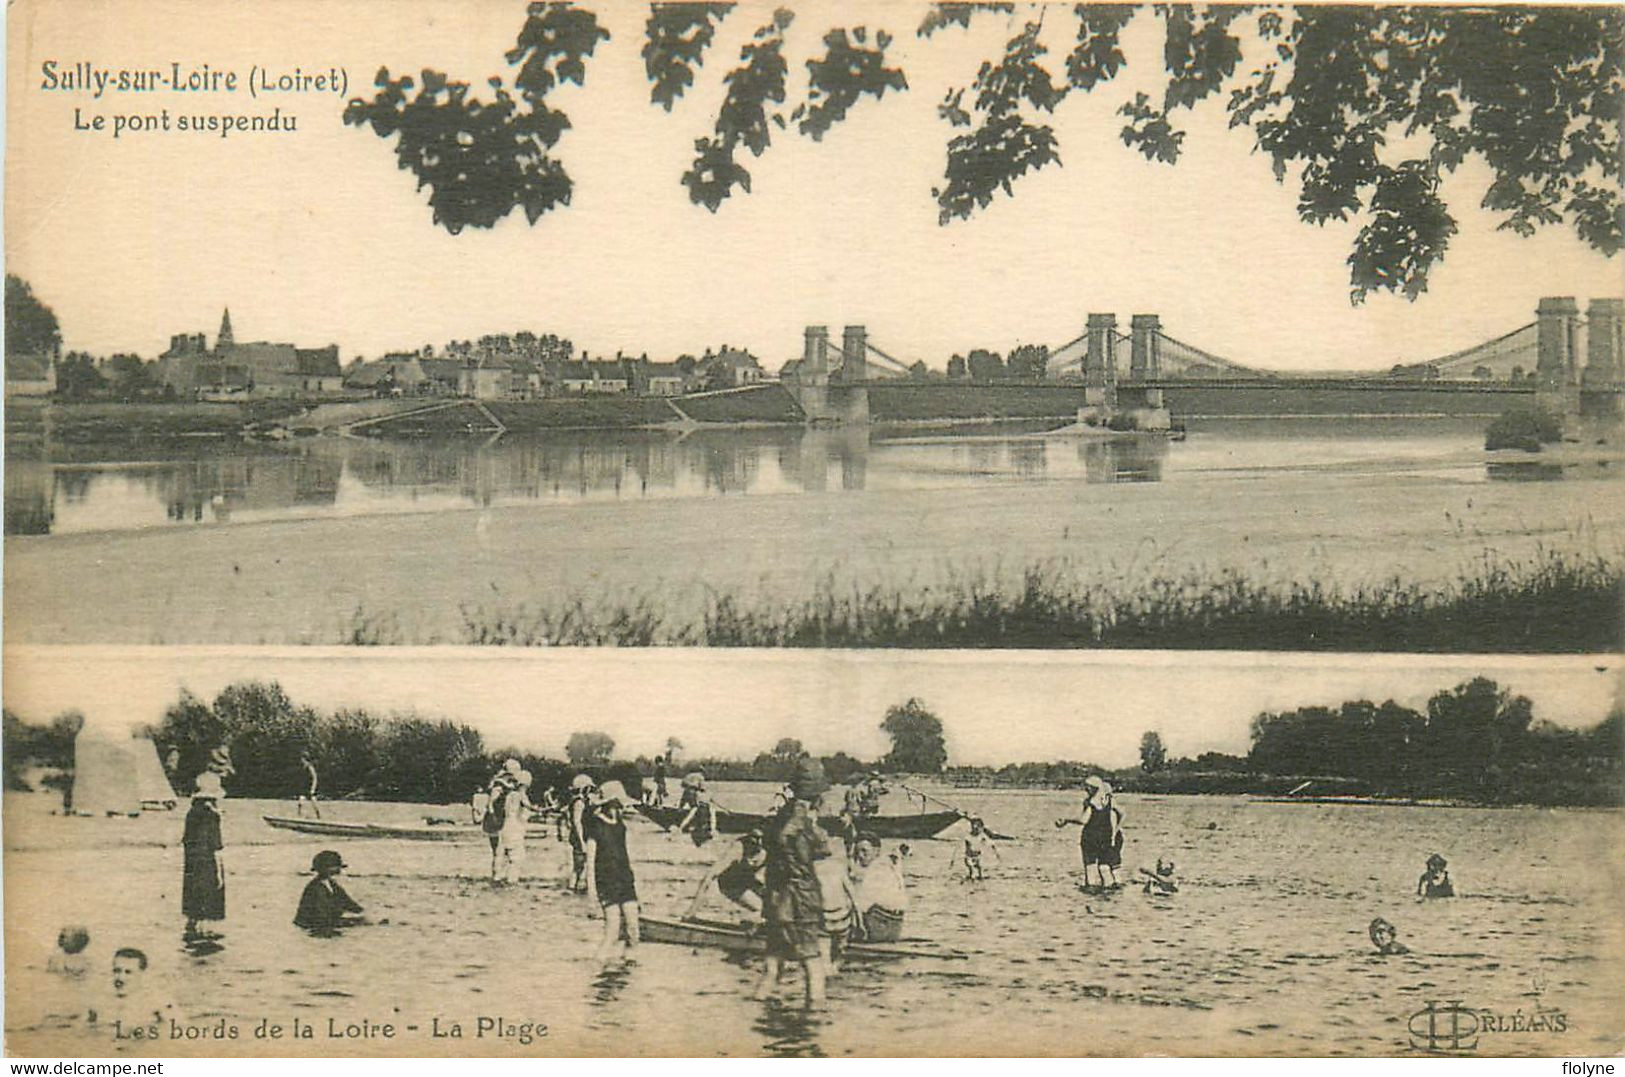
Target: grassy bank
(1553, 604)
(117, 423)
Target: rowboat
(331, 828)
(914, 827)
(734, 938)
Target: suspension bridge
(1568, 362)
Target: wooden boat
(920, 825)
(332, 828)
(734, 938)
(1387, 802)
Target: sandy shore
(412, 576)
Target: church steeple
(225, 340)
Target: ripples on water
(1263, 949)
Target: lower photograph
(443, 852)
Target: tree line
(1476, 742)
(409, 757)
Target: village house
(257, 369)
(732, 367)
(572, 376)
(445, 376)
(396, 374)
(610, 376)
(501, 377)
(29, 375)
(659, 379)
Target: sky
(996, 707)
(316, 237)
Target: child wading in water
(977, 843)
(1435, 880)
(1385, 937)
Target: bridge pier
(826, 396)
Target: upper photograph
(961, 325)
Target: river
(337, 539)
(1263, 950)
(98, 487)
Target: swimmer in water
(1385, 937)
(1160, 882)
(1435, 880)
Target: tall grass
(1554, 603)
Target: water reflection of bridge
(349, 475)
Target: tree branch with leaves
(1366, 110)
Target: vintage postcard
(517, 511)
(1118, 853)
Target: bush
(1523, 428)
(1122, 422)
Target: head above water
(128, 965)
(1436, 863)
(72, 939)
(866, 850)
(327, 862)
(1382, 933)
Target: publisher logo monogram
(1448, 1028)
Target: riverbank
(653, 570)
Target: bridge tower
(1557, 359)
(1605, 343)
(815, 356)
(1557, 336)
(1100, 361)
(855, 349)
(1145, 354)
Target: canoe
(331, 828)
(921, 825)
(718, 935)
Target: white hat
(209, 787)
(512, 767)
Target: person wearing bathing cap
(793, 900)
(324, 907)
(581, 795)
(516, 809)
(1101, 843)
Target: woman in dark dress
(203, 884)
(609, 874)
(793, 899)
(1101, 843)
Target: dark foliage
(917, 746)
(1523, 428)
(1533, 92)
(31, 326)
(481, 159)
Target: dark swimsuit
(611, 867)
(1097, 842)
(738, 879)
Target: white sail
(104, 775)
(152, 784)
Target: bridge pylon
(1100, 362)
